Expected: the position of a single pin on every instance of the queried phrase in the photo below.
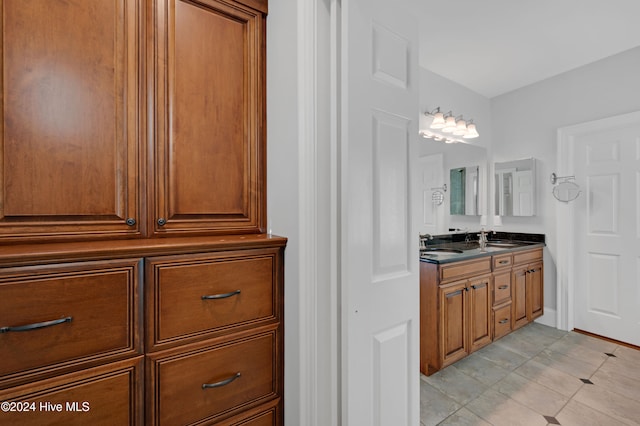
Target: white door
(607, 228)
(433, 195)
(379, 249)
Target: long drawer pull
(504, 321)
(220, 296)
(221, 383)
(36, 325)
(503, 287)
(502, 262)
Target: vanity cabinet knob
(162, 221)
(131, 221)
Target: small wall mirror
(515, 188)
(464, 183)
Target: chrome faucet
(482, 239)
(423, 239)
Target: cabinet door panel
(536, 290)
(519, 282)
(453, 315)
(480, 313)
(210, 139)
(69, 118)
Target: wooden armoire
(138, 284)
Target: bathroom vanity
(471, 296)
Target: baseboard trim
(608, 339)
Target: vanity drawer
(206, 384)
(457, 270)
(56, 318)
(502, 261)
(527, 256)
(501, 321)
(502, 288)
(106, 395)
(193, 297)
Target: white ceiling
(496, 46)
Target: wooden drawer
(211, 383)
(501, 321)
(261, 416)
(107, 395)
(502, 261)
(527, 256)
(458, 270)
(194, 297)
(76, 315)
(502, 288)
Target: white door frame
(319, 322)
(565, 212)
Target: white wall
(282, 176)
(437, 91)
(525, 123)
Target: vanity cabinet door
(520, 295)
(479, 294)
(453, 322)
(536, 290)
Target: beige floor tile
(505, 358)
(573, 350)
(628, 354)
(464, 417)
(614, 405)
(531, 394)
(577, 414)
(481, 369)
(456, 385)
(435, 406)
(598, 345)
(500, 410)
(623, 367)
(551, 378)
(562, 362)
(617, 383)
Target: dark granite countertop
(442, 249)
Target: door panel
(479, 313)
(70, 122)
(607, 286)
(380, 279)
(519, 282)
(209, 159)
(453, 314)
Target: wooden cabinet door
(453, 316)
(70, 119)
(479, 312)
(208, 167)
(536, 290)
(520, 290)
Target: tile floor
(537, 375)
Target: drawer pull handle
(220, 383)
(502, 262)
(220, 296)
(504, 321)
(36, 325)
(503, 287)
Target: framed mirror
(515, 188)
(464, 183)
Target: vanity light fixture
(448, 128)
